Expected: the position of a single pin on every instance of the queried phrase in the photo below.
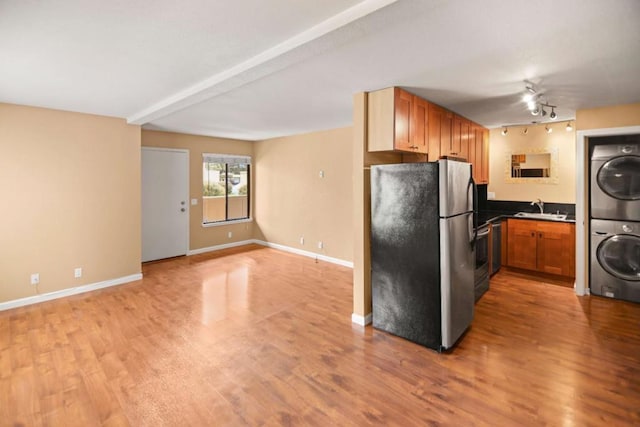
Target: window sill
(220, 223)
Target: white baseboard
(296, 251)
(360, 320)
(68, 292)
(220, 247)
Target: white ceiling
(256, 69)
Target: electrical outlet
(320, 245)
(321, 174)
(35, 278)
(77, 272)
(302, 240)
(491, 195)
(230, 234)
(194, 202)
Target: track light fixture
(525, 127)
(536, 103)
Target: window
(226, 183)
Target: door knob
(182, 202)
(182, 210)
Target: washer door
(619, 255)
(620, 177)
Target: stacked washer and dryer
(615, 217)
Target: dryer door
(619, 255)
(620, 178)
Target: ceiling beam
(241, 73)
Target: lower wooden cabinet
(543, 246)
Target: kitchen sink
(554, 217)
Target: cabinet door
(556, 251)
(485, 156)
(418, 125)
(435, 128)
(456, 136)
(522, 243)
(446, 128)
(465, 129)
(402, 116)
(472, 158)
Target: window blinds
(226, 158)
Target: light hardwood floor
(254, 336)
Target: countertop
(486, 217)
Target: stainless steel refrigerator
(422, 251)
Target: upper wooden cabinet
(479, 153)
(397, 121)
(400, 121)
(439, 133)
(459, 146)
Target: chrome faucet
(540, 205)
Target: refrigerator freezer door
(456, 190)
(457, 266)
(405, 252)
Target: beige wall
(608, 117)
(199, 236)
(502, 146)
(292, 200)
(70, 186)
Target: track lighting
(524, 127)
(529, 93)
(537, 102)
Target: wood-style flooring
(254, 336)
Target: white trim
(177, 150)
(361, 320)
(582, 180)
(68, 292)
(296, 251)
(230, 222)
(214, 85)
(220, 247)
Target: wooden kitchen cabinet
(459, 145)
(400, 121)
(484, 171)
(544, 246)
(397, 121)
(479, 153)
(439, 134)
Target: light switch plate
(194, 202)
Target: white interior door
(165, 207)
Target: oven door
(481, 275)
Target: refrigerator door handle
(474, 212)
